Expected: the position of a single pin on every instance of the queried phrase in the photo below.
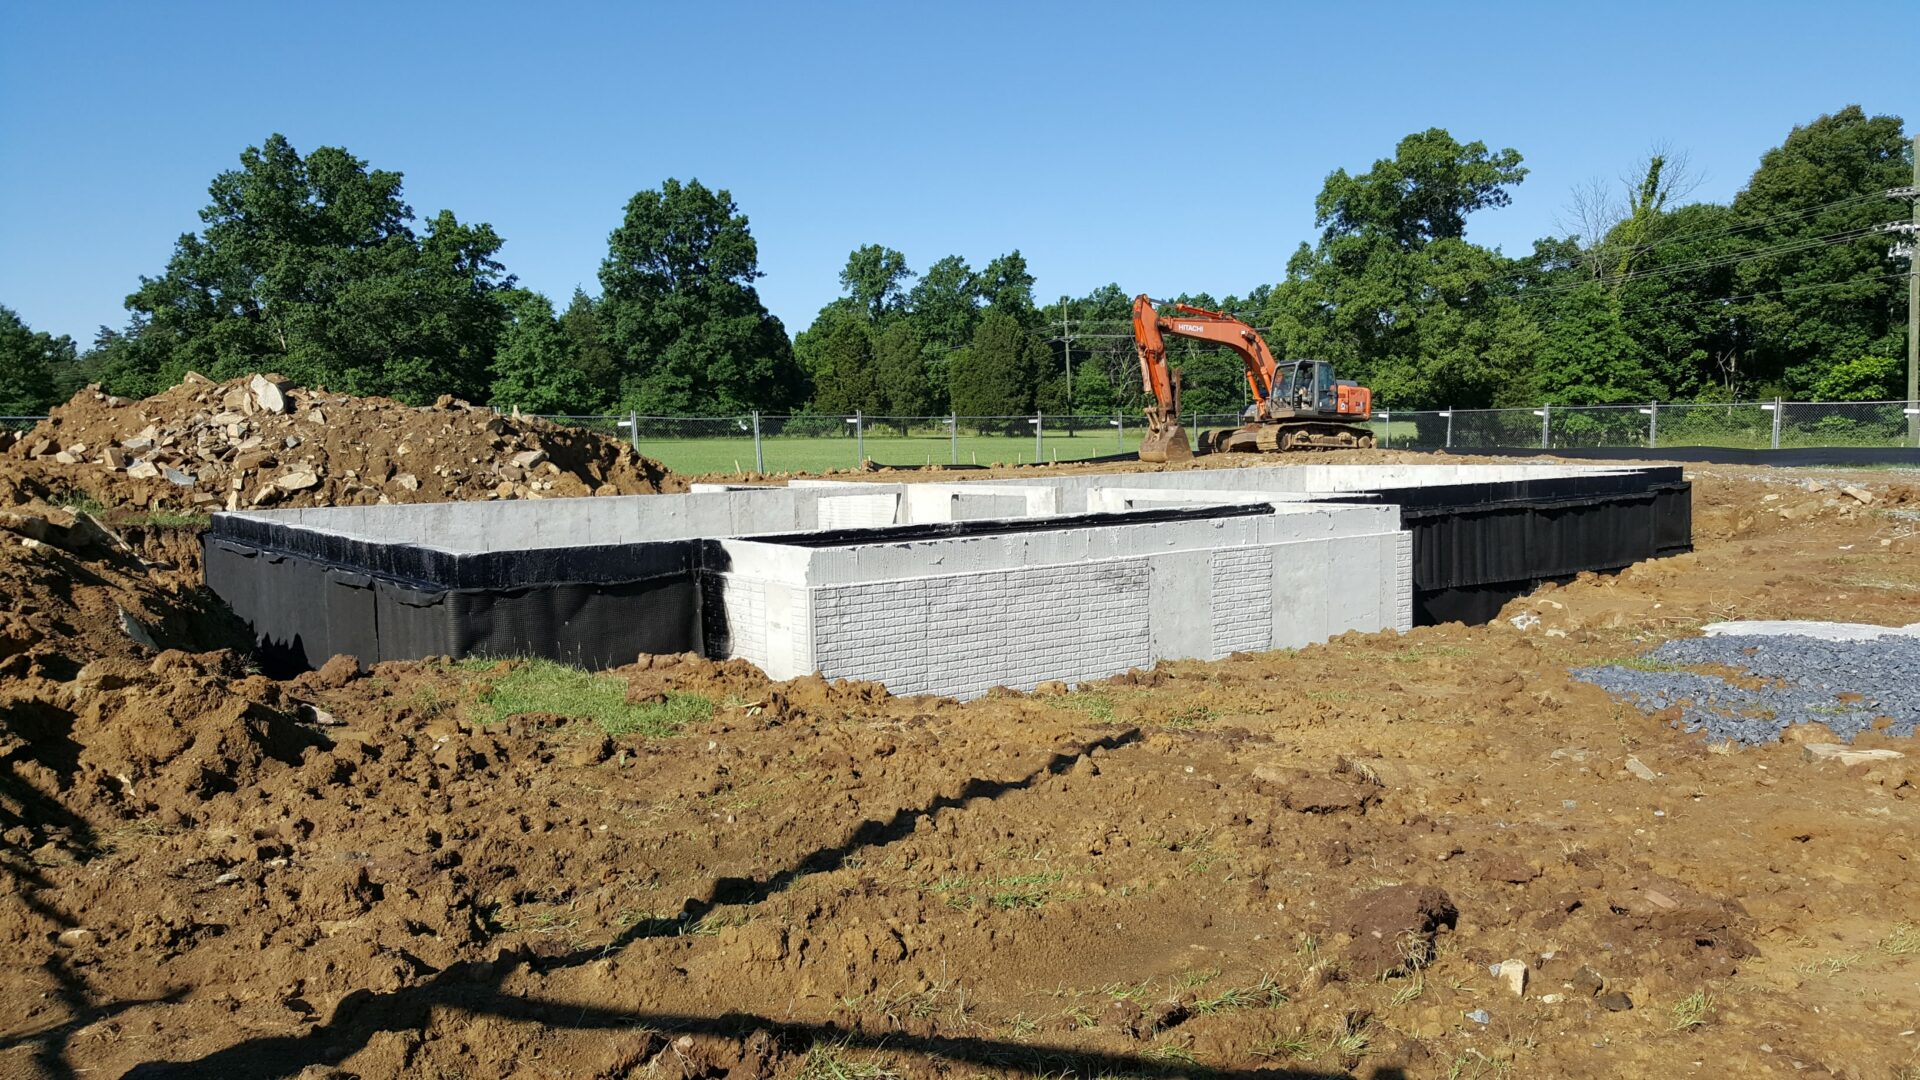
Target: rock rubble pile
(257, 441)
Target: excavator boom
(1165, 439)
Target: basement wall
(962, 614)
(951, 586)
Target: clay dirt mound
(120, 690)
(256, 442)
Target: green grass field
(700, 455)
(799, 453)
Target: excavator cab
(1309, 388)
(1305, 386)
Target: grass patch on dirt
(1096, 706)
(1265, 994)
(1904, 941)
(1649, 664)
(1416, 654)
(114, 518)
(1692, 1011)
(1017, 892)
(543, 686)
(832, 1061)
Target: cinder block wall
(961, 616)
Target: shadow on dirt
(475, 988)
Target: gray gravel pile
(1803, 679)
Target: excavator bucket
(1167, 443)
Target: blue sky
(1168, 148)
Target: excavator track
(1288, 436)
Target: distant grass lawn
(795, 453)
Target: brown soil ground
(1294, 864)
(204, 446)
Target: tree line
(315, 266)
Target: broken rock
(1512, 973)
(1847, 755)
(268, 394)
(297, 480)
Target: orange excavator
(1297, 405)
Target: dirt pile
(258, 442)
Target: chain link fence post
(1777, 410)
(1449, 415)
(759, 452)
(1120, 426)
(859, 440)
(1653, 425)
(1546, 429)
(1037, 452)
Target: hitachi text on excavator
(1297, 405)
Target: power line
(1717, 261)
(1757, 295)
(1708, 234)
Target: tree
(1816, 271)
(535, 370)
(689, 333)
(946, 304)
(1587, 357)
(310, 266)
(589, 349)
(900, 368)
(1395, 295)
(1093, 391)
(1007, 286)
(1674, 305)
(875, 277)
(945, 307)
(1863, 378)
(1106, 374)
(28, 359)
(837, 353)
(995, 374)
(1609, 227)
(1422, 194)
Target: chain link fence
(1773, 425)
(812, 442)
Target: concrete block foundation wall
(942, 587)
(958, 616)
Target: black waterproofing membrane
(1477, 546)
(310, 595)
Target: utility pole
(1913, 303)
(1066, 339)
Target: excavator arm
(1166, 440)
